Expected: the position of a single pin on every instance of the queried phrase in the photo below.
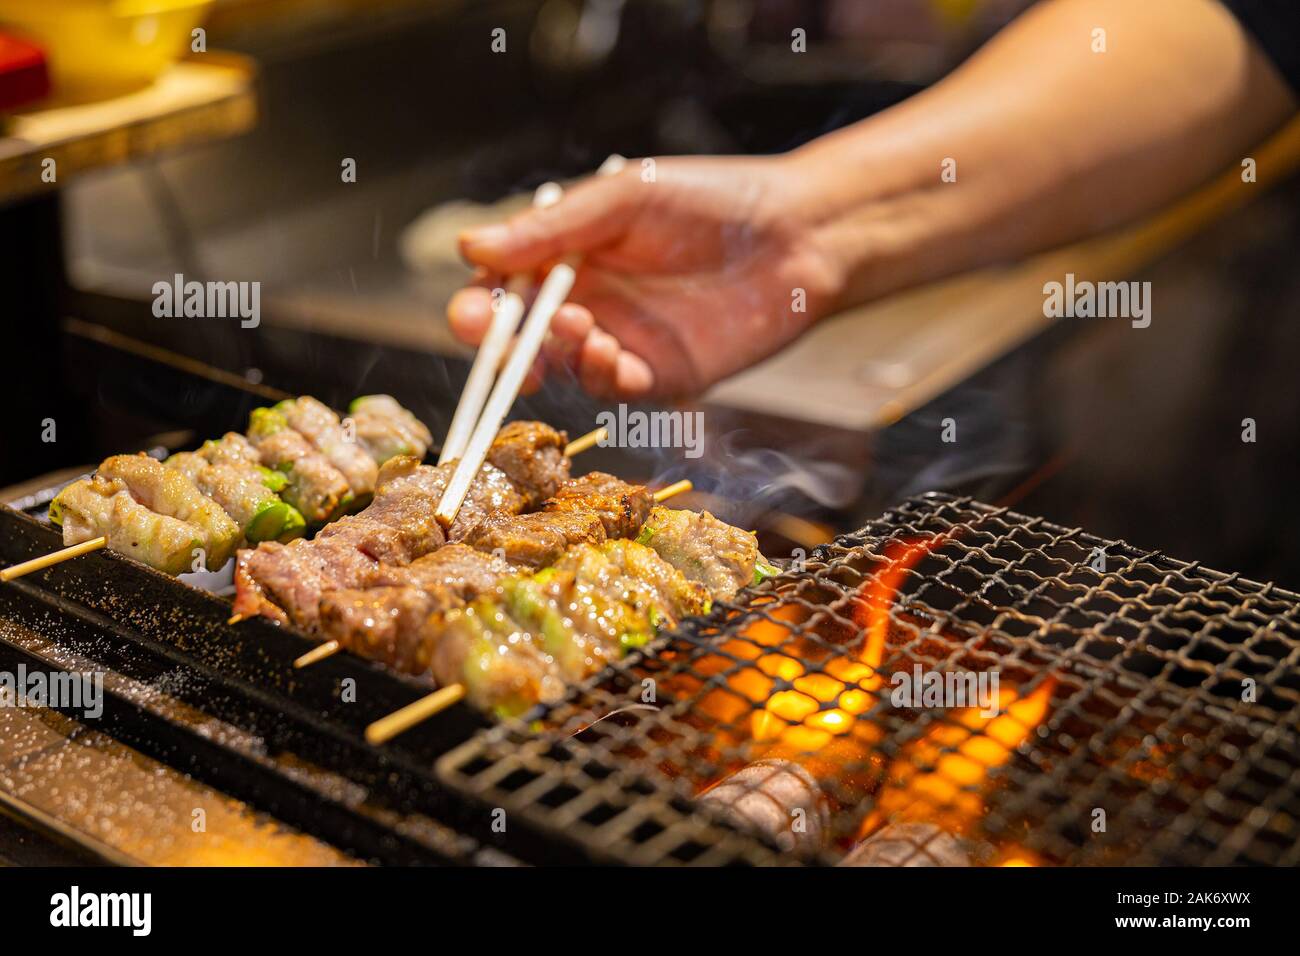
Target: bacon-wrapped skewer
(223, 495)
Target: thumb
(593, 213)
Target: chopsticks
(552, 294)
(505, 320)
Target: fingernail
(485, 235)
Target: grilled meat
(245, 492)
(231, 448)
(104, 506)
(320, 426)
(532, 455)
(398, 527)
(316, 488)
(384, 621)
(535, 539)
(222, 495)
(168, 492)
(499, 664)
(720, 557)
(490, 492)
(385, 429)
(634, 574)
(622, 507)
(568, 621)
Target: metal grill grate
(1147, 713)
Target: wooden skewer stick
(506, 314)
(318, 653)
(53, 558)
(676, 488)
(555, 289)
(399, 721)
(583, 442)
(234, 619)
(328, 649)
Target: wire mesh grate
(954, 684)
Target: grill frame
(1042, 800)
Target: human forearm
(1051, 140)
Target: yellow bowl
(102, 45)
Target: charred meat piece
(385, 429)
(532, 455)
(490, 492)
(457, 568)
(623, 508)
(293, 577)
(398, 527)
(722, 558)
(535, 539)
(384, 621)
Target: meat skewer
(384, 613)
(522, 644)
(284, 582)
(585, 509)
(526, 465)
(160, 514)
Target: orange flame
(798, 718)
(960, 752)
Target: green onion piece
(267, 521)
(646, 534)
(631, 640)
(763, 571)
(274, 480)
(56, 512)
(295, 525)
(275, 521)
(265, 421)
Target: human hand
(688, 276)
